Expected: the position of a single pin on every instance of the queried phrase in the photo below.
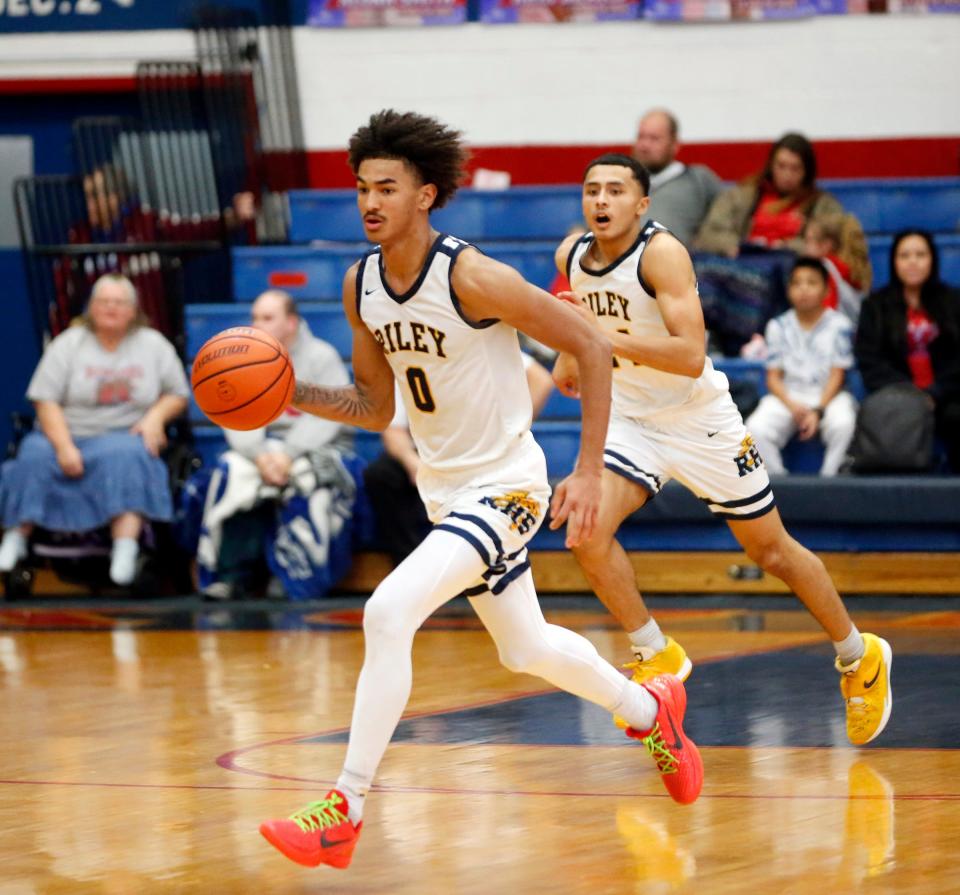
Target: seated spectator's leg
(771, 426)
(125, 531)
(23, 486)
(14, 546)
(400, 515)
(242, 565)
(233, 492)
(22, 481)
(948, 428)
(836, 431)
(120, 478)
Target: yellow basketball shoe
(672, 659)
(865, 685)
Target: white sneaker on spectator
(13, 548)
(219, 590)
(123, 561)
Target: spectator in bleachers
(680, 195)
(752, 233)
(769, 209)
(104, 392)
(909, 332)
(809, 351)
(286, 463)
(839, 242)
(391, 479)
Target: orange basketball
(242, 378)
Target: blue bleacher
(316, 272)
(886, 206)
(326, 320)
(321, 268)
(544, 212)
(527, 212)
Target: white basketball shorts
(497, 509)
(704, 446)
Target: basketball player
(440, 318)
(672, 417)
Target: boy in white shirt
(809, 352)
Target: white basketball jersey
(623, 302)
(462, 382)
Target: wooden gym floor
(143, 743)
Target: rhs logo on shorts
(519, 506)
(749, 458)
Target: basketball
(242, 378)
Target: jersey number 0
(420, 390)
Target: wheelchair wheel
(18, 583)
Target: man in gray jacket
(264, 468)
(681, 194)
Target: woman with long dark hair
(909, 331)
(745, 247)
(769, 209)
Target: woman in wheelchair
(104, 391)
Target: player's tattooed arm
(369, 402)
(346, 404)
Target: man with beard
(680, 195)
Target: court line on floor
(440, 790)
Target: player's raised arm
(669, 272)
(488, 289)
(367, 403)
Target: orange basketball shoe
(676, 755)
(321, 833)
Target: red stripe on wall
(893, 157)
(21, 86)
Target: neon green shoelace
(666, 763)
(319, 815)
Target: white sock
(648, 640)
(123, 560)
(851, 647)
(637, 706)
(13, 548)
(355, 788)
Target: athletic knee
(782, 556)
(770, 555)
(594, 550)
(382, 617)
(530, 657)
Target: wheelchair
(83, 558)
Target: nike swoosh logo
(327, 843)
(677, 740)
(711, 434)
(873, 680)
(368, 291)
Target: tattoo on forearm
(346, 402)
